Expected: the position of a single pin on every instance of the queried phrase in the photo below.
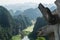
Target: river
(25, 38)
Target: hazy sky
(3, 2)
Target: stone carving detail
(51, 18)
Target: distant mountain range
(32, 13)
(28, 9)
(21, 6)
(25, 6)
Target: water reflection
(25, 38)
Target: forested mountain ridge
(6, 24)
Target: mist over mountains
(26, 6)
(21, 6)
(29, 9)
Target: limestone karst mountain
(6, 24)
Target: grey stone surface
(53, 28)
(57, 27)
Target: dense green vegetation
(16, 37)
(40, 38)
(6, 24)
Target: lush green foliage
(40, 38)
(16, 37)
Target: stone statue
(53, 18)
